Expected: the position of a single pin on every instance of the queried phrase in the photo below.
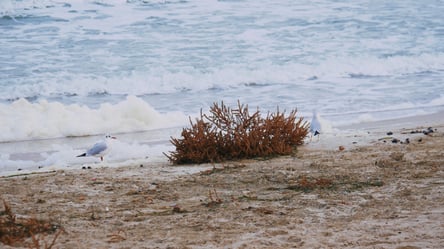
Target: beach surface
(375, 185)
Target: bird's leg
(101, 158)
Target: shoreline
(410, 122)
(347, 136)
(367, 133)
(374, 193)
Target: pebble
(428, 131)
(425, 132)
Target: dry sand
(372, 194)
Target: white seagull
(315, 125)
(99, 149)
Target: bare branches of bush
(230, 134)
(14, 231)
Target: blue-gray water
(84, 67)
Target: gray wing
(97, 149)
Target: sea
(72, 71)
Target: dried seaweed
(231, 134)
(14, 231)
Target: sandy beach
(359, 187)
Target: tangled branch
(230, 134)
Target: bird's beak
(113, 138)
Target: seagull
(315, 126)
(99, 149)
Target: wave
(23, 120)
(178, 80)
(392, 111)
(16, 8)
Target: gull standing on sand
(99, 149)
(315, 126)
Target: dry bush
(14, 231)
(230, 134)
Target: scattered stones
(425, 132)
(428, 131)
(394, 140)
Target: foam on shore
(148, 147)
(366, 133)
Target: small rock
(341, 148)
(389, 133)
(395, 140)
(428, 131)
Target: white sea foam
(67, 67)
(22, 120)
(343, 72)
(64, 155)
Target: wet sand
(371, 193)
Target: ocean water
(71, 71)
